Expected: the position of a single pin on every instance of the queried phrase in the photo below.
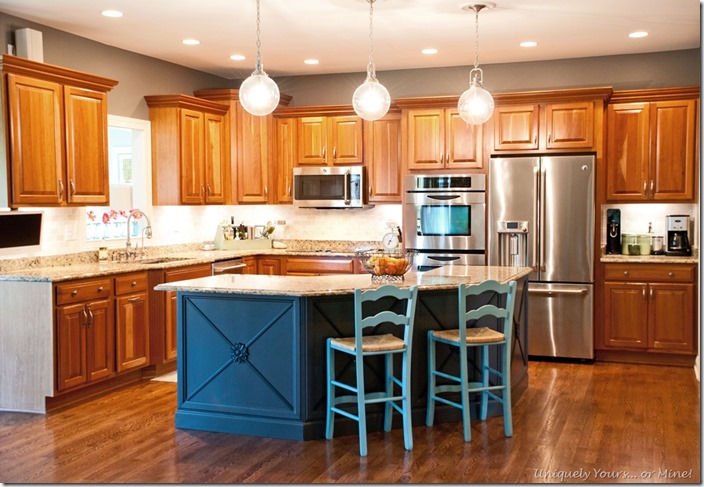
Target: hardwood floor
(595, 422)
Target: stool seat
(474, 335)
(371, 343)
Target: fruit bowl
(387, 265)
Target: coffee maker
(678, 235)
(613, 231)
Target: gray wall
(141, 75)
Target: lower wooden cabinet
(315, 266)
(250, 263)
(85, 333)
(649, 308)
(131, 321)
(269, 266)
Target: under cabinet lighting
(238, 57)
(311, 61)
(191, 42)
(528, 44)
(111, 13)
(429, 51)
(638, 34)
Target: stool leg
(485, 381)
(361, 406)
(407, 426)
(506, 394)
(388, 374)
(466, 427)
(329, 420)
(430, 408)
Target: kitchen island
(251, 347)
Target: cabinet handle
(334, 153)
(626, 273)
(652, 189)
(370, 191)
(644, 298)
(134, 300)
(447, 157)
(442, 157)
(325, 152)
(85, 317)
(72, 184)
(651, 293)
(90, 315)
(208, 191)
(61, 189)
(535, 139)
(74, 293)
(266, 191)
(202, 191)
(645, 188)
(549, 138)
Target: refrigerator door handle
(541, 254)
(536, 221)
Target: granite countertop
(447, 277)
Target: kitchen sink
(156, 260)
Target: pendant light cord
(475, 75)
(258, 68)
(371, 72)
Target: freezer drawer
(560, 320)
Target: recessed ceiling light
(111, 13)
(637, 34)
(311, 61)
(429, 50)
(237, 57)
(528, 44)
(191, 42)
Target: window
(130, 180)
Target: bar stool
(482, 337)
(360, 347)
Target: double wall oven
(443, 219)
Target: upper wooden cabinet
(437, 138)
(252, 162)
(57, 129)
(651, 145)
(382, 146)
(189, 150)
(549, 121)
(285, 158)
(329, 141)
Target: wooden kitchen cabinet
(269, 266)
(57, 135)
(131, 321)
(189, 150)
(329, 140)
(285, 158)
(437, 138)
(316, 266)
(651, 146)
(250, 263)
(382, 146)
(649, 308)
(85, 333)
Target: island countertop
(446, 277)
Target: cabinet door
(311, 141)
(252, 164)
(383, 159)
(269, 266)
(345, 141)
(627, 151)
(516, 127)
(192, 132)
(36, 140)
(570, 125)
(672, 150)
(426, 139)
(625, 315)
(672, 325)
(132, 328)
(285, 158)
(216, 158)
(463, 142)
(250, 265)
(71, 366)
(86, 146)
(100, 338)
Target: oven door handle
(441, 258)
(443, 197)
(347, 183)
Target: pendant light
(259, 94)
(476, 105)
(371, 100)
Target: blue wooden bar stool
(361, 346)
(482, 337)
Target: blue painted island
(251, 347)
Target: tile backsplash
(636, 217)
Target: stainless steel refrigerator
(555, 195)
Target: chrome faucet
(146, 230)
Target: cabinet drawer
(130, 283)
(77, 291)
(649, 273)
(315, 265)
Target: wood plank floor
(604, 422)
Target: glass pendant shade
(476, 105)
(371, 100)
(259, 94)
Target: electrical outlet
(11, 49)
(280, 222)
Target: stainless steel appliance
(231, 266)
(443, 219)
(613, 231)
(555, 195)
(330, 187)
(678, 235)
(20, 228)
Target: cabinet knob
(133, 283)
(100, 289)
(626, 273)
(671, 274)
(74, 293)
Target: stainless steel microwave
(330, 187)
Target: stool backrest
(502, 312)
(387, 316)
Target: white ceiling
(337, 31)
